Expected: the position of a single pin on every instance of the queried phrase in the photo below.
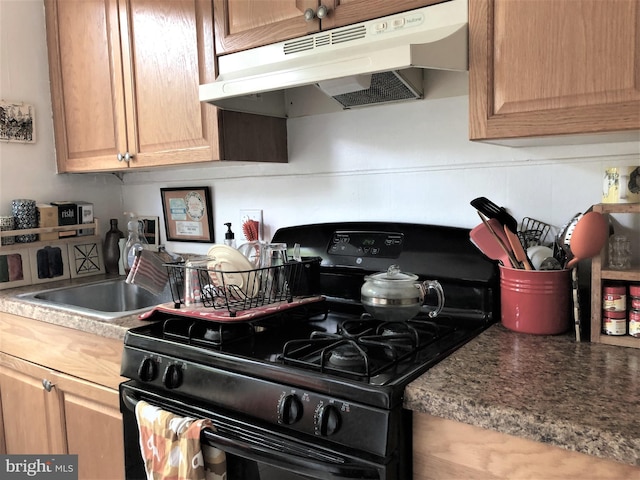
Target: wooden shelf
(65, 228)
(600, 274)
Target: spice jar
(634, 293)
(614, 298)
(614, 323)
(634, 323)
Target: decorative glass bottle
(111, 251)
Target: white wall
(29, 170)
(408, 162)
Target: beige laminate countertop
(579, 396)
(113, 328)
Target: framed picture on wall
(188, 215)
(150, 231)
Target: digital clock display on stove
(366, 244)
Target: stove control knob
(148, 370)
(328, 420)
(172, 377)
(289, 409)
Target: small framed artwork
(17, 122)
(15, 270)
(188, 216)
(150, 231)
(49, 263)
(85, 258)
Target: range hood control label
(366, 244)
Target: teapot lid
(393, 274)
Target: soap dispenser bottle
(135, 241)
(229, 237)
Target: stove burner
(348, 355)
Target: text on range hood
(367, 63)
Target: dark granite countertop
(580, 396)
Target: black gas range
(314, 390)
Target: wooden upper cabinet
(124, 85)
(129, 83)
(244, 24)
(87, 91)
(546, 67)
(167, 52)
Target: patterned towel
(148, 271)
(171, 449)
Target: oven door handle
(258, 448)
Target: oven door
(253, 453)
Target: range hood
(368, 63)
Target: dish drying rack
(242, 290)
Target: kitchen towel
(171, 448)
(148, 271)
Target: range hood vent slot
(322, 40)
(349, 34)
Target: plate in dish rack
(229, 267)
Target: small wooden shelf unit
(600, 274)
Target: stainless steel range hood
(369, 63)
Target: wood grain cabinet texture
(244, 24)
(545, 67)
(445, 449)
(58, 395)
(124, 87)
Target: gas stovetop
(323, 369)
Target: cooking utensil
(533, 232)
(491, 235)
(491, 210)
(550, 263)
(576, 303)
(537, 254)
(562, 252)
(488, 244)
(587, 237)
(394, 296)
(518, 251)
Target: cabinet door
(543, 67)
(87, 92)
(32, 416)
(167, 53)
(93, 427)
(244, 24)
(347, 12)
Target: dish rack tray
(236, 291)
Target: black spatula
(491, 210)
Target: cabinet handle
(322, 11)
(310, 14)
(124, 158)
(47, 384)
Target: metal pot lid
(393, 274)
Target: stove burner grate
(363, 347)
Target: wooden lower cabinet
(47, 411)
(444, 449)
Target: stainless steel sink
(106, 299)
